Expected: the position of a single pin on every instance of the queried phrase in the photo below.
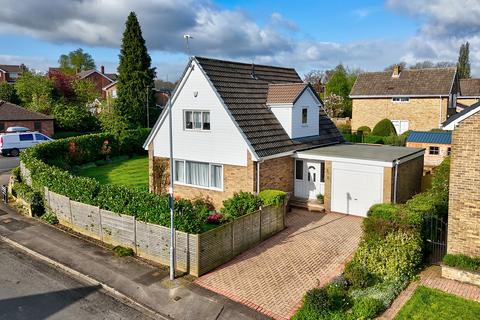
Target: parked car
(12, 143)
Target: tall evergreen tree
(463, 64)
(135, 76)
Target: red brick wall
(100, 82)
(47, 126)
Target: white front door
(355, 188)
(308, 179)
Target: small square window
(37, 125)
(433, 150)
(304, 116)
(449, 151)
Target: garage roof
(362, 152)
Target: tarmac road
(32, 289)
(6, 165)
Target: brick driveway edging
(273, 276)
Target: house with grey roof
(469, 93)
(420, 99)
(247, 127)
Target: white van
(12, 143)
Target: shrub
(16, 173)
(357, 276)
(364, 130)
(345, 128)
(123, 251)
(320, 197)
(49, 217)
(240, 204)
(398, 255)
(367, 308)
(70, 117)
(29, 195)
(384, 128)
(462, 261)
(385, 291)
(215, 218)
(373, 139)
(272, 197)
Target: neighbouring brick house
(436, 143)
(161, 92)
(243, 127)
(419, 99)
(10, 73)
(464, 203)
(12, 115)
(469, 92)
(100, 78)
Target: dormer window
(196, 120)
(304, 116)
(401, 99)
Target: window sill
(199, 187)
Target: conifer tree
(135, 76)
(463, 65)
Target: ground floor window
(434, 150)
(200, 174)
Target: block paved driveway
(273, 276)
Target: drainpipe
(440, 119)
(258, 175)
(397, 162)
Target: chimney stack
(396, 71)
(102, 69)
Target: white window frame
(210, 164)
(400, 99)
(193, 122)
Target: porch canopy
(362, 153)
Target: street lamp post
(148, 110)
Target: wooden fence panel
(271, 221)
(86, 219)
(152, 242)
(60, 205)
(246, 232)
(215, 248)
(118, 229)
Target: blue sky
(307, 35)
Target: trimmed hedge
(384, 128)
(240, 204)
(272, 197)
(462, 261)
(45, 162)
(365, 130)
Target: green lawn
(131, 172)
(431, 304)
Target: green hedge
(462, 261)
(272, 197)
(46, 161)
(240, 204)
(34, 198)
(384, 128)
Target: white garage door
(356, 187)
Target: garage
(357, 176)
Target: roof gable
(455, 119)
(284, 92)
(10, 111)
(87, 73)
(417, 82)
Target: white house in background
(244, 127)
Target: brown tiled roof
(112, 76)
(245, 95)
(284, 92)
(470, 87)
(86, 73)
(10, 111)
(419, 82)
(11, 68)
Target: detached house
(100, 78)
(244, 127)
(10, 73)
(420, 99)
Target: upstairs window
(400, 99)
(304, 115)
(196, 120)
(433, 150)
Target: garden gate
(435, 235)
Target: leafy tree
(71, 117)
(35, 91)
(135, 75)
(111, 121)
(85, 91)
(340, 84)
(463, 64)
(63, 84)
(334, 105)
(317, 79)
(7, 93)
(76, 61)
(429, 64)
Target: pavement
(6, 165)
(129, 278)
(274, 276)
(33, 289)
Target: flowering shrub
(215, 218)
